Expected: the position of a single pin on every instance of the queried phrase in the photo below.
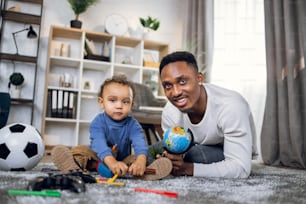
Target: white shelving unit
(125, 56)
(25, 60)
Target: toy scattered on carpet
(177, 140)
(21, 147)
(74, 181)
(160, 192)
(86, 178)
(110, 181)
(45, 193)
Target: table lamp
(31, 34)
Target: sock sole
(163, 167)
(63, 159)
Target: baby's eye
(126, 101)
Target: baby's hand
(137, 169)
(119, 168)
(139, 166)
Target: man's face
(181, 85)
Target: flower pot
(15, 91)
(147, 34)
(75, 24)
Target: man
(220, 120)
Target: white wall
(244, 18)
(171, 14)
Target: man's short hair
(179, 56)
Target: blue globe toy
(177, 140)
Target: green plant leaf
(16, 79)
(149, 22)
(80, 6)
(155, 26)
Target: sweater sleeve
(98, 138)
(137, 137)
(230, 123)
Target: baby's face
(117, 100)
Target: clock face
(116, 24)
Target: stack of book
(61, 103)
(90, 51)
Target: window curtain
(239, 60)
(198, 36)
(283, 138)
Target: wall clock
(116, 24)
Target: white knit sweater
(227, 120)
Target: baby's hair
(120, 79)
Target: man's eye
(112, 100)
(182, 81)
(167, 86)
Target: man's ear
(100, 101)
(200, 77)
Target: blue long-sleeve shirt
(127, 133)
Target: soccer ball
(177, 140)
(21, 147)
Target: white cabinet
(73, 81)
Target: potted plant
(78, 7)
(16, 80)
(150, 23)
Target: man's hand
(180, 168)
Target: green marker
(49, 193)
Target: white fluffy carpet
(265, 185)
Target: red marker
(165, 193)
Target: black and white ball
(21, 147)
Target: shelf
(64, 61)
(63, 88)
(152, 45)
(21, 17)
(60, 120)
(98, 37)
(71, 33)
(96, 65)
(126, 57)
(17, 101)
(31, 1)
(127, 42)
(16, 57)
(27, 64)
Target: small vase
(75, 24)
(15, 92)
(146, 34)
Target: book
(61, 103)
(90, 47)
(71, 105)
(53, 103)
